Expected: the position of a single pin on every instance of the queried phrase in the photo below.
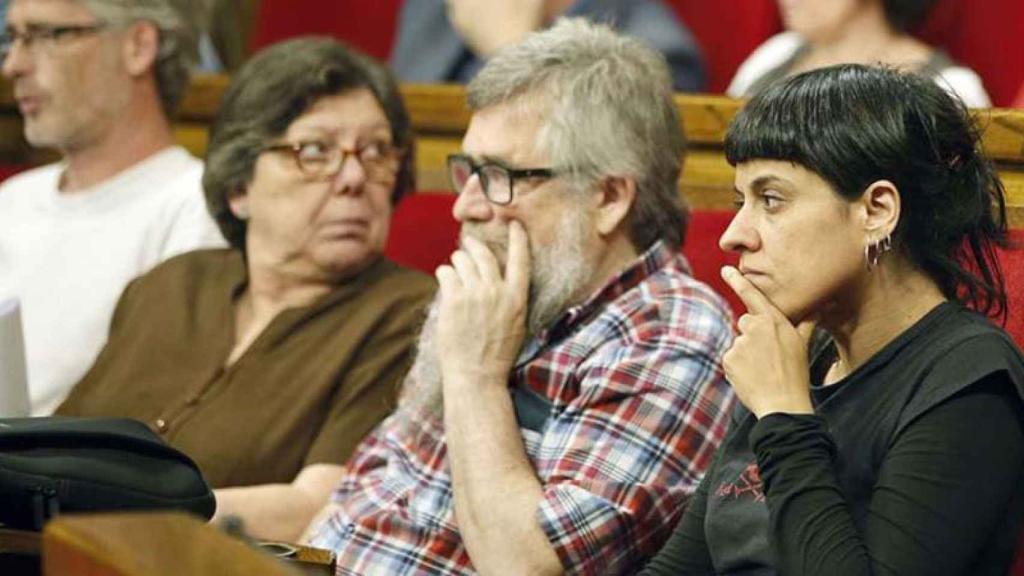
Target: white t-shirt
(775, 51)
(67, 257)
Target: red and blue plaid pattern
(638, 405)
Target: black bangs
(855, 125)
(834, 122)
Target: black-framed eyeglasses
(45, 35)
(380, 160)
(496, 180)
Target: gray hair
(179, 23)
(609, 112)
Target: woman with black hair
(893, 443)
(824, 33)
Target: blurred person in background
(824, 33)
(98, 81)
(450, 40)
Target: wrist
(474, 377)
(795, 408)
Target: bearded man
(567, 395)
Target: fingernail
(728, 271)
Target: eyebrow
(764, 181)
(488, 159)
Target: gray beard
(558, 275)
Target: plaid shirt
(637, 403)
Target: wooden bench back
(440, 117)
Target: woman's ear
(881, 204)
(615, 198)
(238, 203)
(141, 47)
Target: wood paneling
(440, 116)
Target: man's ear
(238, 203)
(881, 205)
(141, 47)
(615, 198)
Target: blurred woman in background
(825, 33)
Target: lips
(750, 271)
(29, 105)
(346, 228)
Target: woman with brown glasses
(268, 362)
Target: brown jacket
(316, 381)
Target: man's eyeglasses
(495, 180)
(380, 160)
(44, 36)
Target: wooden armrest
(138, 544)
(20, 552)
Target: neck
(278, 284)
(141, 131)
(895, 298)
(617, 255)
(864, 39)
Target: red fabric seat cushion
(368, 26)
(423, 231)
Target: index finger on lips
(486, 263)
(751, 297)
(447, 278)
(517, 268)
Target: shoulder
(188, 273)
(671, 310)
(966, 84)
(973, 347)
(963, 350)
(35, 180)
(769, 55)
(178, 173)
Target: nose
(471, 204)
(351, 177)
(17, 61)
(740, 235)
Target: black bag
(58, 464)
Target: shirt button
(161, 424)
(192, 401)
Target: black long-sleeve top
(914, 464)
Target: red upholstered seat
(1019, 102)
(1012, 264)
(986, 36)
(728, 31)
(706, 258)
(369, 26)
(423, 231)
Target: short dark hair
(907, 15)
(269, 92)
(853, 125)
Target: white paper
(13, 376)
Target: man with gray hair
(567, 394)
(98, 81)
